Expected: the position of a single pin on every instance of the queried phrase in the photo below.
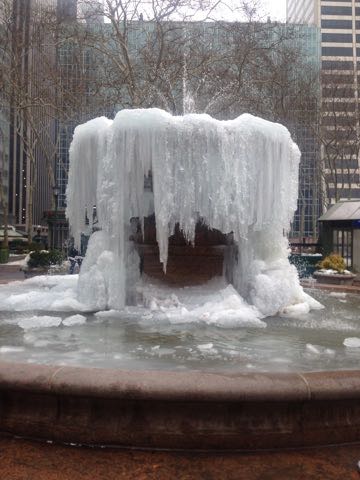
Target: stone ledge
(191, 410)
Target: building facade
(303, 11)
(310, 198)
(339, 22)
(31, 125)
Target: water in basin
(141, 337)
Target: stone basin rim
(170, 385)
(179, 410)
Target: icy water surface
(137, 338)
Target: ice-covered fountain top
(238, 176)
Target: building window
(336, 10)
(337, 37)
(343, 244)
(337, 24)
(337, 51)
(337, 65)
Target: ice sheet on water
(11, 349)
(318, 350)
(74, 320)
(237, 176)
(341, 295)
(108, 313)
(352, 342)
(43, 321)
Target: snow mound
(214, 303)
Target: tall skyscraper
(29, 183)
(32, 136)
(340, 128)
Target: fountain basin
(176, 410)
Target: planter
(4, 255)
(334, 278)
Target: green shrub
(333, 262)
(56, 257)
(44, 258)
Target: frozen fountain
(239, 177)
(228, 364)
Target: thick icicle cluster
(238, 176)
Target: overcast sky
(275, 8)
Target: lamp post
(56, 193)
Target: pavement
(31, 460)
(10, 273)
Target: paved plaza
(21, 459)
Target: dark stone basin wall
(187, 265)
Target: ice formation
(238, 176)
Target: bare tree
(175, 55)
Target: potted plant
(332, 269)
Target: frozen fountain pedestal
(236, 178)
(186, 264)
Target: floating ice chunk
(107, 314)
(11, 349)
(313, 349)
(74, 320)
(44, 321)
(330, 352)
(338, 294)
(352, 342)
(205, 346)
(296, 310)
